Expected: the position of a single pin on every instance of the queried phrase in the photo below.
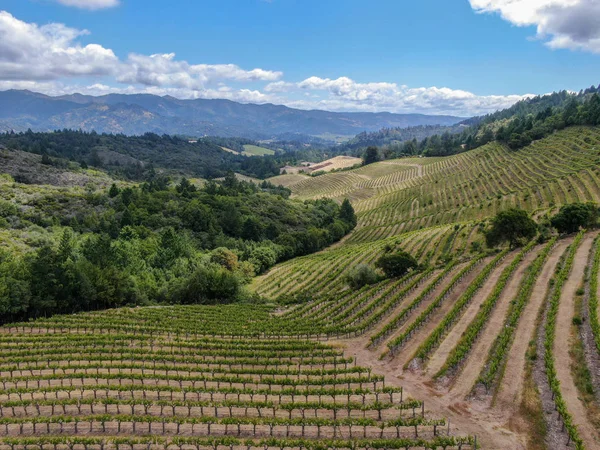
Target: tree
(263, 258)
(397, 264)
(113, 191)
(370, 156)
(513, 226)
(224, 257)
(252, 230)
(360, 276)
(572, 217)
(347, 213)
(185, 188)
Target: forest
(158, 242)
(131, 157)
(518, 126)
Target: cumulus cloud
(51, 59)
(31, 52)
(566, 24)
(346, 94)
(164, 70)
(90, 4)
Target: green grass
(254, 150)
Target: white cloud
(164, 70)
(90, 4)
(31, 52)
(346, 94)
(51, 59)
(567, 24)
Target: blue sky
(433, 56)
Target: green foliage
(347, 213)
(397, 264)
(262, 258)
(575, 216)
(361, 275)
(8, 209)
(371, 156)
(209, 284)
(225, 258)
(513, 226)
(153, 243)
(133, 157)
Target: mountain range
(140, 113)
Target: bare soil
(439, 357)
(589, 434)
(511, 387)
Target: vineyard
(176, 378)
(487, 337)
(493, 349)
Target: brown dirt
(438, 358)
(436, 317)
(511, 387)
(488, 426)
(405, 301)
(588, 433)
(476, 360)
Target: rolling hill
(460, 331)
(138, 114)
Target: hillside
(460, 331)
(139, 114)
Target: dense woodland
(517, 126)
(157, 242)
(131, 157)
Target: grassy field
(254, 150)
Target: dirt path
(421, 334)
(438, 358)
(476, 360)
(566, 310)
(511, 387)
(417, 310)
(488, 426)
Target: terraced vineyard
(494, 350)
(492, 341)
(176, 377)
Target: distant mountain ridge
(140, 113)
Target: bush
(361, 275)
(263, 258)
(513, 225)
(397, 264)
(575, 216)
(209, 284)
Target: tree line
(158, 242)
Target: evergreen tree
(347, 213)
(370, 156)
(113, 191)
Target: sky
(459, 57)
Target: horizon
(168, 96)
(450, 58)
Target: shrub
(209, 284)
(397, 264)
(513, 225)
(360, 276)
(575, 216)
